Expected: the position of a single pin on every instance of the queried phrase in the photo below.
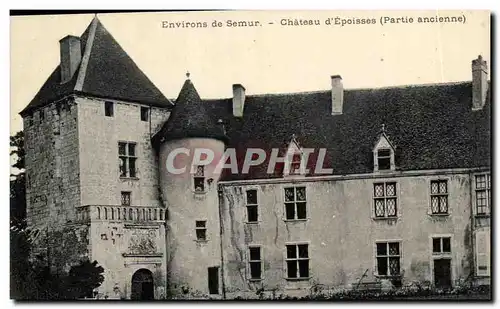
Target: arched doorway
(142, 285)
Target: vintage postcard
(319, 155)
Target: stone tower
(92, 188)
(193, 255)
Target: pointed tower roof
(189, 118)
(105, 71)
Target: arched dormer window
(383, 153)
(295, 159)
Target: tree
(18, 181)
(83, 278)
(34, 280)
(20, 268)
(17, 142)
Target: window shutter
(482, 253)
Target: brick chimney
(337, 95)
(238, 100)
(71, 55)
(479, 82)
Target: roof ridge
(412, 85)
(109, 71)
(86, 55)
(347, 89)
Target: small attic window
(383, 153)
(144, 113)
(294, 158)
(108, 109)
(384, 159)
(295, 164)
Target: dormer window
(384, 159)
(383, 153)
(295, 164)
(295, 159)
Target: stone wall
(71, 165)
(98, 143)
(52, 171)
(188, 258)
(101, 187)
(341, 231)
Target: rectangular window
(295, 203)
(252, 206)
(255, 262)
(144, 113)
(201, 230)
(127, 158)
(295, 164)
(199, 179)
(439, 197)
(388, 258)
(108, 109)
(483, 194)
(385, 199)
(125, 198)
(384, 159)
(441, 245)
(297, 261)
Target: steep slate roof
(189, 118)
(109, 73)
(431, 126)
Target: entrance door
(142, 285)
(213, 280)
(442, 273)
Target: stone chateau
(408, 200)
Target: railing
(120, 213)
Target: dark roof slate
(431, 126)
(189, 118)
(110, 73)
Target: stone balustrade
(120, 213)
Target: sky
(269, 58)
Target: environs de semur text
(336, 21)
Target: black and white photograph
(251, 155)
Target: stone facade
(98, 186)
(74, 191)
(120, 242)
(341, 230)
(73, 171)
(188, 256)
(53, 184)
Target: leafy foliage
(84, 278)
(33, 279)
(20, 268)
(18, 182)
(17, 143)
